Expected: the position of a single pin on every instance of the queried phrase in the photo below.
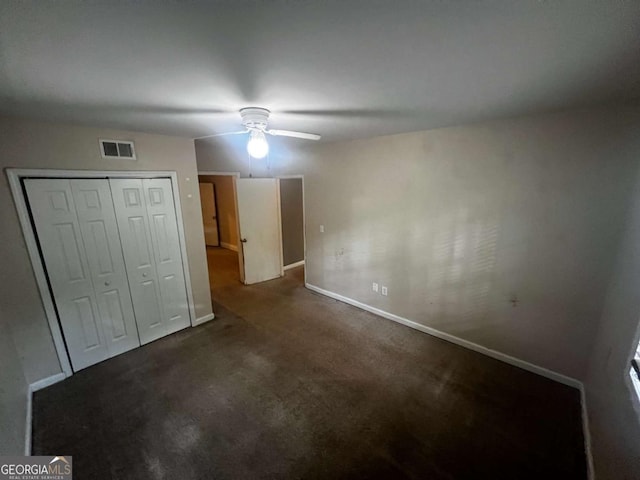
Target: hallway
(223, 268)
(224, 278)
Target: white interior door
(260, 237)
(208, 202)
(146, 217)
(161, 210)
(133, 222)
(97, 219)
(94, 329)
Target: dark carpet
(286, 384)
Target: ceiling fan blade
(289, 133)
(222, 134)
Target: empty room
(320, 239)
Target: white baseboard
(229, 246)
(558, 377)
(204, 319)
(34, 387)
(46, 382)
(586, 431)
(293, 265)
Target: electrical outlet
(384, 290)
(321, 228)
(374, 287)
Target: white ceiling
(344, 69)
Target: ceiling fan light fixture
(255, 120)
(257, 145)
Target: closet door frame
(17, 175)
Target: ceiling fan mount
(255, 121)
(255, 118)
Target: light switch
(321, 228)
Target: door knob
(243, 240)
(145, 274)
(107, 283)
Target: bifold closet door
(78, 236)
(146, 218)
(161, 210)
(99, 230)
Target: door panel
(98, 237)
(132, 219)
(141, 244)
(86, 317)
(166, 244)
(174, 302)
(160, 228)
(101, 238)
(67, 236)
(149, 297)
(114, 309)
(259, 218)
(59, 235)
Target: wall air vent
(117, 149)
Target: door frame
(235, 176)
(15, 177)
(304, 226)
(215, 204)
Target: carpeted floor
(288, 384)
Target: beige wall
(27, 144)
(226, 204)
(457, 222)
(614, 411)
(13, 395)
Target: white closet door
(97, 219)
(59, 235)
(133, 222)
(161, 210)
(146, 216)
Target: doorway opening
(254, 229)
(220, 219)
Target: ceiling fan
(255, 119)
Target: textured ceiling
(344, 69)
